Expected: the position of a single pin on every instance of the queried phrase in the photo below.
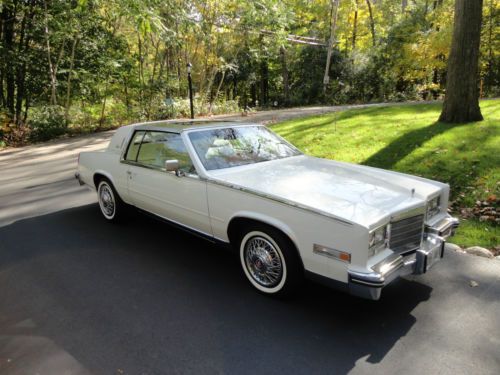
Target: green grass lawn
(408, 138)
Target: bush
(221, 107)
(12, 134)
(179, 107)
(46, 122)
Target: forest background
(86, 65)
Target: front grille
(406, 234)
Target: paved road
(88, 297)
(81, 296)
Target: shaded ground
(88, 297)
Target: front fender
(278, 224)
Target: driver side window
(158, 147)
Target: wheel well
(97, 178)
(238, 224)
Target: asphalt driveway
(82, 296)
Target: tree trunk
(153, 76)
(23, 47)
(8, 17)
(140, 57)
(68, 83)
(264, 82)
(52, 71)
(2, 97)
(372, 22)
(235, 87)
(253, 93)
(284, 75)
(355, 26)
(333, 25)
(491, 62)
(461, 103)
(103, 107)
(215, 97)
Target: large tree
(461, 103)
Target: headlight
(378, 239)
(433, 207)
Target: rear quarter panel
(107, 164)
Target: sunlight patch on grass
(473, 232)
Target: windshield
(231, 147)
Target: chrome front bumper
(369, 285)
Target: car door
(181, 197)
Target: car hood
(353, 193)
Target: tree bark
(491, 62)
(333, 25)
(355, 25)
(103, 107)
(68, 82)
(23, 47)
(2, 97)
(8, 17)
(372, 22)
(53, 77)
(264, 82)
(215, 97)
(284, 75)
(461, 103)
(140, 57)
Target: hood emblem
(412, 192)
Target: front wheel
(270, 262)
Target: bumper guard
(369, 285)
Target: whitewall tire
(269, 261)
(111, 205)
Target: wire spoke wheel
(107, 200)
(263, 261)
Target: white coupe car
(289, 215)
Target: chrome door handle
(129, 173)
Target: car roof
(178, 126)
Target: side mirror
(173, 166)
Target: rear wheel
(270, 261)
(112, 207)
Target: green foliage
(47, 122)
(476, 233)
(117, 61)
(308, 70)
(406, 138)
(180, 108)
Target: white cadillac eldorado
(289, 215)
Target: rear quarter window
(134, 146)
